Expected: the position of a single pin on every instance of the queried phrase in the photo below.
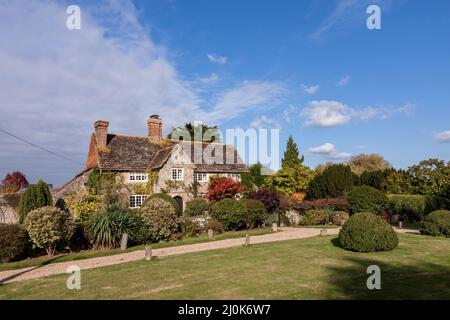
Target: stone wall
(9, 207)
(77, 183)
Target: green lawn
(41, 261)
(312, 268)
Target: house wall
(9, 208)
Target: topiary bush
(167, 198)
(256, 213)
(367, 232)
(196, 207)
(367, 199)
(160, 217)
(339, 218)
(436, 224)
(230, 212)
(15, 243)
(315, 217)
(48, 227)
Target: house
(180, 168)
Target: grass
(312, 268)
(45, 260)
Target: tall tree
(291, 155)
(13, 182)
(253, 178)
(335, 181)
(36, 196)
(372, 162)
(208, 134)
(431, 177)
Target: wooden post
(210, 233)
(124, 242)
(148, 253)
(274, 227)
(247, 239)
(400, 224)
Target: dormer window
(177, 174)
(138, 177)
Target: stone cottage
(176, 167)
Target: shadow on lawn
(423, 280)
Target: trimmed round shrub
(231, 213)
(167, 198)
(14, 243)
(196, 207)
(107, 228)
(367, 199)
(367, 232)
(160, 217)
(339, 218)
(48, 227)
(436, 224)
(315, 217)
(256, 213)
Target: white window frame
(137, 199)
(203, 177)
(138, 177)
(179, 175)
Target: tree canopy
(192, 132)
(13, 182)
(363, 162)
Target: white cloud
(343, 81)
(443, 137)
(211, 79)
(264, 122)
(217, 59)
(329, 151)
(325, 113)
(310, 89)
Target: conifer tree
(36, 196)
(291, 155)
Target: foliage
(36, 196)
(256, 213)
(221, 188)
(291, 155)
(253, 178)
(268, 197)
(363, 163)
(398, 182)
(367, 199)
(196, 207)
(431, 177)
(339, 218)
(93, 182)
(436, 224)
(229, 212)
(375, 179)
(335, 181)
(214, 225)
(49, 226)
(160, 217)
(112, 191)
(290, 180)
(14, 243)
(14, 182)
(189, 227)
(315, 217)
(83, 205)
(166, 198)
(318, 204)
(80, 239)
(192, 132)
(141, 233)
(107, 228)
(366, 232)
(414, 207)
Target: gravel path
(58, 268)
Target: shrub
(167, 198)
(48, 227)
(160, 217)
(414, 207)
(14, 242)
(436, 224)
(80, 239)
(367, 232)
(190, 228)
(367, 199)
(141, 234)
(36, 196)
(256, 213)
(223, 188)
(334, 203)
(339, 218)
(315, 217)
(83, 205)
(214, 225)
(196, 207)
(230, 212)
(107, 228)
(335, 181)
(268, 197)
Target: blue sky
(310, 68)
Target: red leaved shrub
(222, 188)
(319, 204)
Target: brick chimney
(101, 133)
(154, 124)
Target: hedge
(367, 199)
(414, 207)
(15, 243)
(437, 224)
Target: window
(138, 176)
(136, 201)
(200, 177)
(177, 174)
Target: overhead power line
(41, 148)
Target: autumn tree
(290, 180)
(363, 162)
(221, 187)
(14, 182)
